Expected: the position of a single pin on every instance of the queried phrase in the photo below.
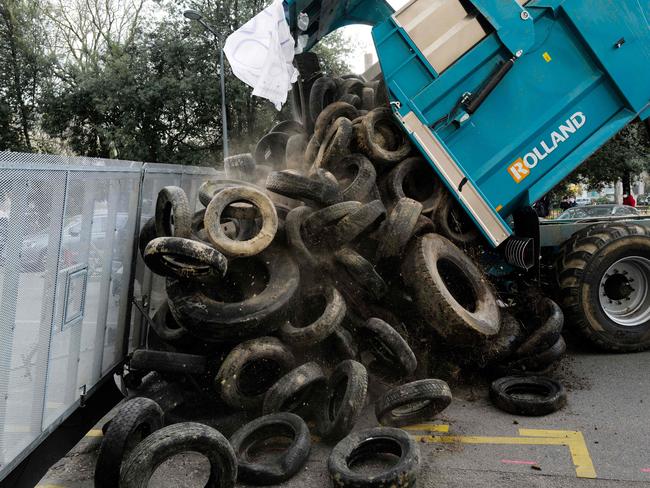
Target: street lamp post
(198, 16)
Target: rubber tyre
(335, 144)
(136, 419)
(295, 154)
(426, 398)
(272, 149)
(504, 344)
(367, 99)
(415, 179)
(363, 220)
(291, 185)
(293, 229)
(552, 320)
(297, 391)
(282, 467)
(457, 322)
(452, 221)
(147, 234)
(253, 246)
(323, 93)
(211, 318)
(352, 99)
(173, 217)
(399, 228)
(393, 357)
(583, 261)
(365, 444)
(552, 395)
(343, 400)
(369, 139)
(361, 272)
(290, 127)
(175, 439)
(343, 343)
(168, 362)
(239, 166)
(356, 176)
(166, 327)
(331, 113)
(330, 317)
(315, 224)
(539, 362)
(177, 257)
(265, 351)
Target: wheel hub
(624, 291)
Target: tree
(23, 67)
(624, 157)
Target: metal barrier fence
(67, 231)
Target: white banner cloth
(261, 54)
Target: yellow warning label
(547, 57)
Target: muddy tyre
(175, 439)
(330, 310)
(382, 150)
(168, 362)
(453, 222)
(177, 257)
(323, 93)
(450, 291)
(413, 178)
(552, 320)
(250, 369)
(147, 234)
(281, 467)
(252, 299)
(528, 395)
(393, 357)
(362, 221)
(357, 177)
(361, 446)
(296, 391)
(361, 272)
(173, 217)
(136, 419)
(291, 185)
(256, 244)
(239, 166)
(413, 403)
(271, 150)
(608, 263)
(398, 228)
(295, 153)
(343, 400)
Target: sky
(360, 35)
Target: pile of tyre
(329, 271)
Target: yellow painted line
(531, 437)
(95, 433)
(428, 428)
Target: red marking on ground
(645, 470)
(517, 461)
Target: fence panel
(67, 230)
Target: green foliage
(333, 52)
(23, 69)
(624, 157)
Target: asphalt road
(604, 431)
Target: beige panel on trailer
(442, 29)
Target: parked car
(581, 202)
(598, 212)
(33, 253)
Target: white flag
(261, 54)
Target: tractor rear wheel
(604, 279)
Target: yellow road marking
(575, 441)
(95, 433)
(429, 427)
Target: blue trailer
(505, 98)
